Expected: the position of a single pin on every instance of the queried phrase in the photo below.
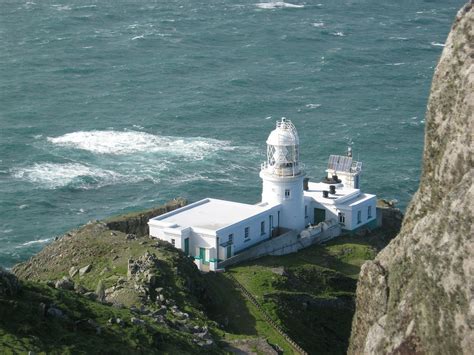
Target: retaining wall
(287, 243)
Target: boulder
(73, 271)
(100, 291)
(65, 283)
(9, 284)
(137, 321)
(84, 270)
(55, 312)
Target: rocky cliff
(417, 295)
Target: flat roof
(343, 195)
(211, 214)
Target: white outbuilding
(213, 230)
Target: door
(186, 246)
(319, 215)
(270, 225)
(202, 254)
(229, 251)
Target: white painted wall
(363, 208)
(292, 207)
(350, 212)
(254, 225)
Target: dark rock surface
(417, 295)
(9, 285)
(137, 223)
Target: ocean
(110, 106)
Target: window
(262, 227)
(359, 217)
(247, 232)
(369, 212)
(342, 218)
(231, 238)
(287, 193)
(173, 242)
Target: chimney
(305, 184)
(326, 194)
(332, 189)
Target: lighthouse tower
(283, 175)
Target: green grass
(108, 254)
(310, 294)
(22, 329)
(240, 318)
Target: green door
(202, 254)
(186, 246)
(319, 215)
(229, 252)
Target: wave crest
(277, 5)
(130, 142)
(52, 175)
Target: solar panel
(340, 163)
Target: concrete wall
(289, 242)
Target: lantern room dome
(284, 134)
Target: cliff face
(417, 295)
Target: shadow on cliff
(227, 306)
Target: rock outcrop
(137, 223)
(9, 285)
(417, 295)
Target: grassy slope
(21, 327)
(309, 293)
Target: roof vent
(326, 194)
(332, 189)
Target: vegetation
(310, 294)
(107, 288)
(83, 326)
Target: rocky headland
(417, 296)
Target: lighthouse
(293, 213)
(282, 175)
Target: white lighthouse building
(283, 175)
(213, 230)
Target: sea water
(113, 106)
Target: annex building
(212, 230)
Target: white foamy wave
(436, 44)
(318, 24)
(32, 242)
(277, 5)
(313, 105)
(338, 34)
(130, 142)
(398, 38)
(52, 176)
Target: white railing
(295, 170)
